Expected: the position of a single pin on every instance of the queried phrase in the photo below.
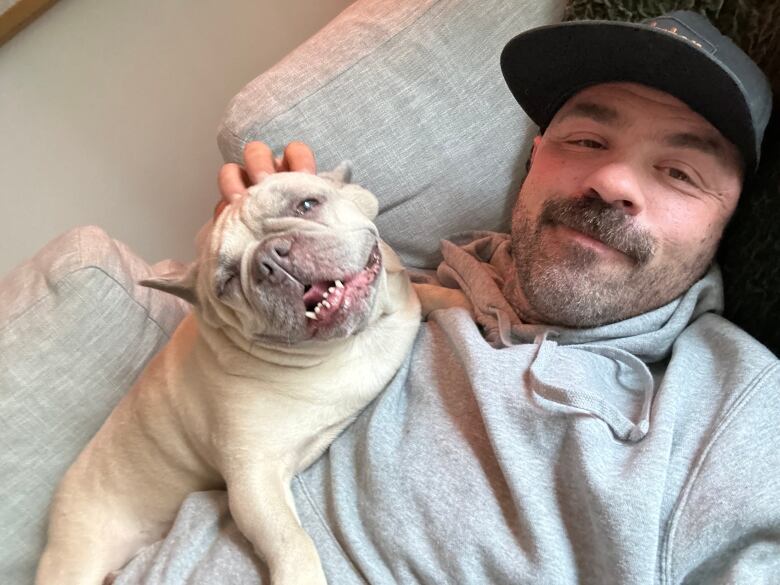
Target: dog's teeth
(311, 315)
(332, 289)
(326, 303)
(318, 308)
(339, 284)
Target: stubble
(575, 286)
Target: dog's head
(297, 259)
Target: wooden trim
(19, 15)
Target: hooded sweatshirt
(644, 451)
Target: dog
(301, 316)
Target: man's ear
(179, 282)
(534, 145)
(341, 174)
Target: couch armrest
(75, 331)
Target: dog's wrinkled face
(297, 259)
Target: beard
(572, 285)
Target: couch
(411, 92)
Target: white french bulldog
(301, 316)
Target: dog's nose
(281, 247)
(269, 259)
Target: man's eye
(587, 143)
(306, 206)
(679, 175)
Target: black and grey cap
(680, 53)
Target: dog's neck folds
(300, 355)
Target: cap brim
(545, 66)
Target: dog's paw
(298, 577)
(433, 297)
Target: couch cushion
(411, 91)
(75, 331)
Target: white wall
(109, 110)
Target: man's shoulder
(742, 366)
(729, 502)
(712, 337)
(719, 366)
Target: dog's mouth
(328, 301)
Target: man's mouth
(597, 223)
(326, 300)
(588, 239)
(638, 251)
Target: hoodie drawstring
(622, 426)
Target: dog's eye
(306, 206)
(228, 280)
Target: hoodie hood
(601, 370)
(481, 264)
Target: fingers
(221, 205)
(259, 161)
(232, 181)
(298, 157)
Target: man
(590, 420)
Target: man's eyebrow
(703, 143)
(597, 112)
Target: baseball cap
(680, 53)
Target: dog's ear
(341, 174)
(365, 200)
(179, 282)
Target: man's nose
(618, 184)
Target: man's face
(623, 207)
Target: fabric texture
(412, 93)
(639, 452)
(75, 331)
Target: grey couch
(409, 90)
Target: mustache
(595, 218)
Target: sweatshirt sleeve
(726, 525)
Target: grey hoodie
(643, 451)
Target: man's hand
(259, 162)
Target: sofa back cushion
(412, 93)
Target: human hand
(259, 162)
